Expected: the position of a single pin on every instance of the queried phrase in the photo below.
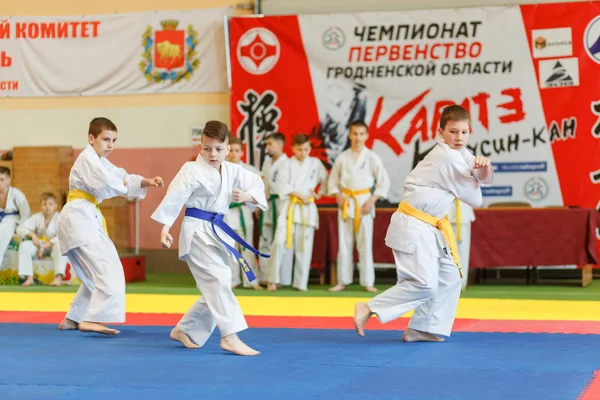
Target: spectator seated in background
(39, 239)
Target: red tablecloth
(499, 237)
(533, 237)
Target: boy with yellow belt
(422, 240)
(299, 216)
(358, 179)
(82, 233)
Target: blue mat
(40, 362)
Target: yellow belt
(457, 201)
(458, 218)
(44, 238)
(442, 224)
(352, 195)
(290, 219)
(81, 195)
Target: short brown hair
(99, 125)
(4, 171)
(359, 123)
(276, 136)
(300, 139)
(234, 140)
(454, 113)
(47, 195)
(216, 130)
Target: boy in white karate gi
(275, 162)
(206, 187)
(13, 209)
(299, 217)
(82, 233)
(41, 228)
(424, 247)
(358, 179)
(241, 220)
(461, 216)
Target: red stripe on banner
(575, 147)
(460, 325)
(272, 89)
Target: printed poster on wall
(113, 54)
(528, 75)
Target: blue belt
(4, 214)
(217, 219)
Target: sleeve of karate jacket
(178, 193)
(457, 178)
(252, 183)
(100, 181)
(470, 159)
(283, 185)
(335, 177)
(323, 178)
(134, 182)
(26, 226)
(22, 205)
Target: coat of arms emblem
(169, 54)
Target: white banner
(532, 90)
(113, 54)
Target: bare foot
(29, 281)
(337, 288)
(371, 289)
(233, 344)
(234, 287)
(302, 290)
(57, 281)
(98, 328)
(179, 336)
(257, 287)
(413, 335)
(271, 287)
(67, 325)
(362, 313)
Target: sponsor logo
(536, 189)
(169, 54)
(562, 72)
(334, 38)
(497, 191)
(591, 39)
(541, 166)
(540, 42)
(258, 51)
(555, 42)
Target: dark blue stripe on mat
(40, 362)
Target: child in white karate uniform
(424, 246)
(358, 179)
(13, 209)
(41, 228)
(275, 162)
(206, 188)
(83, 236)
(299, 217)
(241, 220)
